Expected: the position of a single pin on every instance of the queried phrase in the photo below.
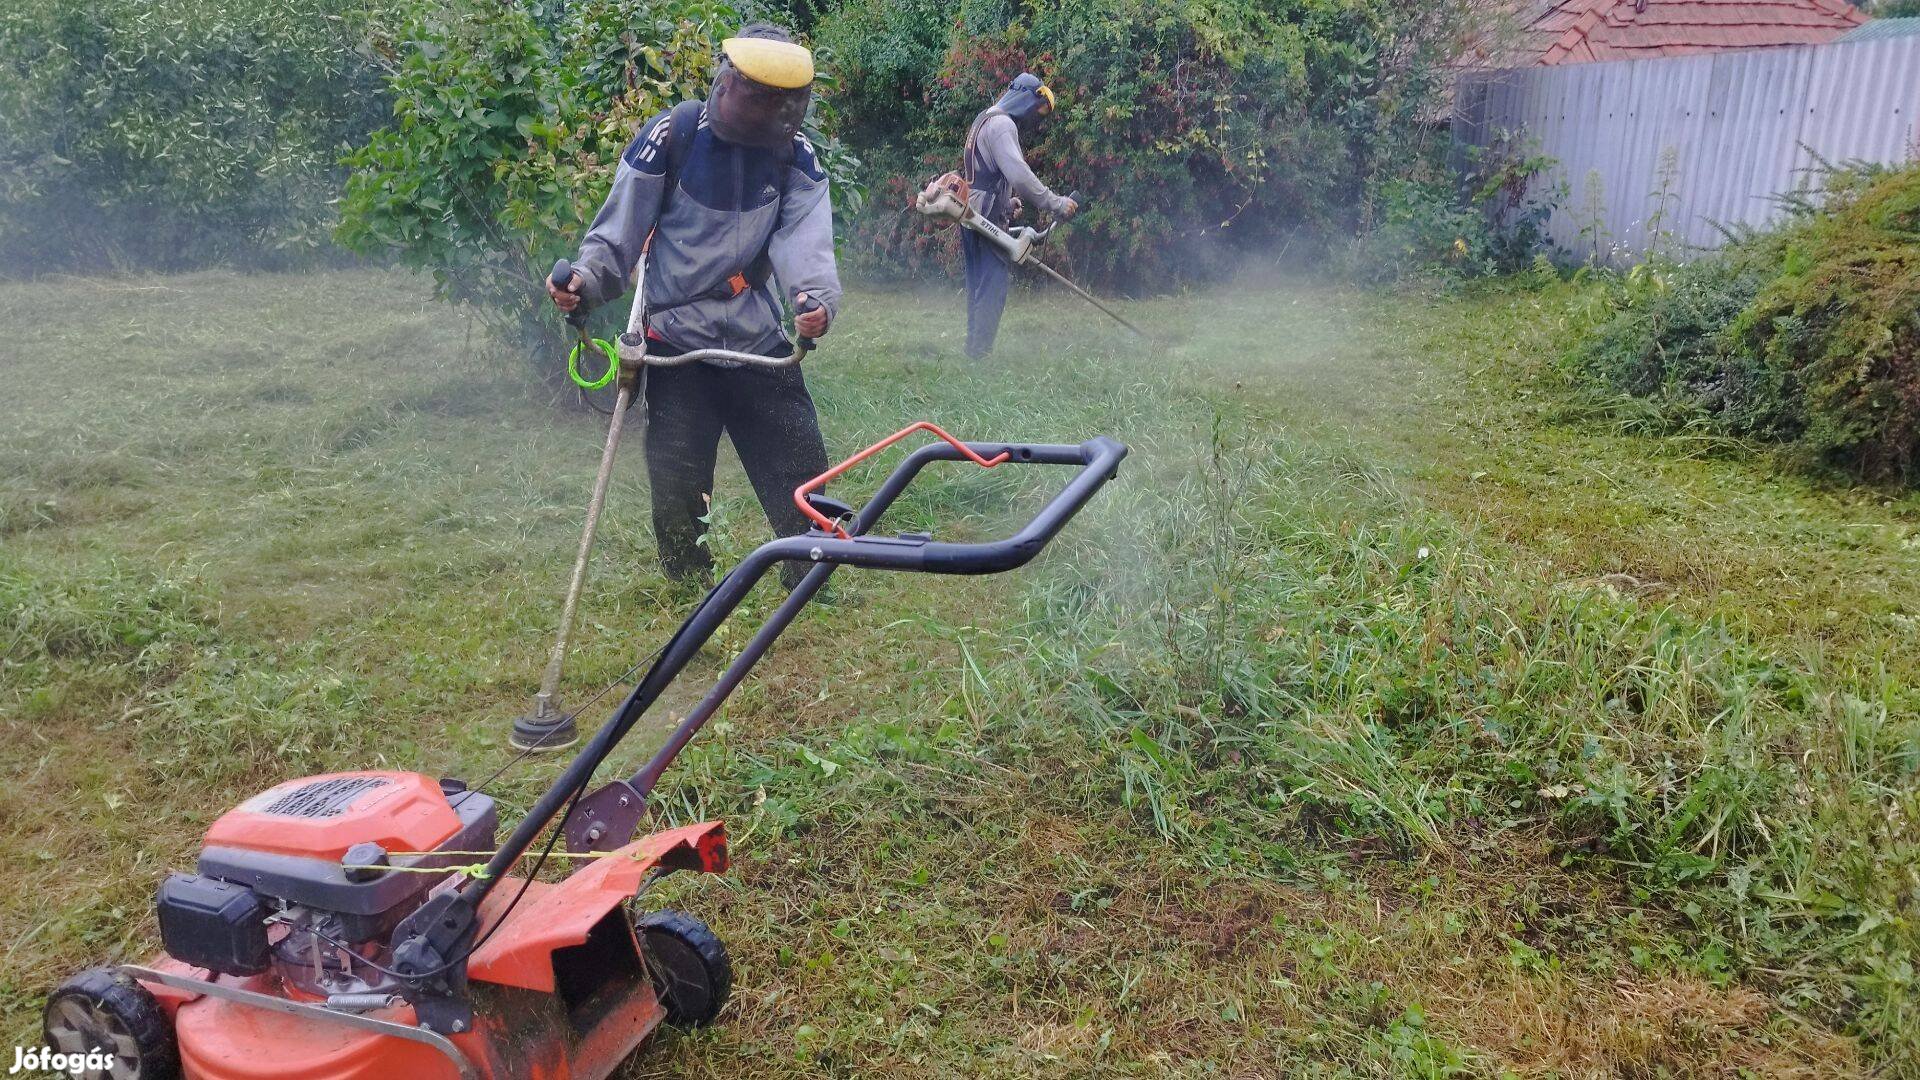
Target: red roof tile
(1624, 29)
(1577, 31)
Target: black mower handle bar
(1098, 458)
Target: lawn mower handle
(1098, 458)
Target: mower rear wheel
(690, 967)
(101, 1009)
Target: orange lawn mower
(334, 928)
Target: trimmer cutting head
(544, 730)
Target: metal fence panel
(1667, 154)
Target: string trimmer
(945, 199)
(548, 726)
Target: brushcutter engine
(310, 878)
(945, 199)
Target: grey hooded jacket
(731, 203)
(997, 168)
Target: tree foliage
(176, 133)
(509, 120)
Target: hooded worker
(730, 207)
(996, 171)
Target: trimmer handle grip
(803, 306)
(561, 278)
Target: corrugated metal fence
(1654, 152)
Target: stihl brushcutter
(549, 727)
(945, 198)
(340, 927)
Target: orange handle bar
(820, 482)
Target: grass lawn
(1391, 715)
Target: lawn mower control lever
(804, 494)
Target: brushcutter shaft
(545, 710)
(1085, 295)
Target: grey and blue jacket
(730, 204)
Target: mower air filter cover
(320, 817)
(292, 842)
(213, 924)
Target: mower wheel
(690, 968)
(101, 1009)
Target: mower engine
(309, 878)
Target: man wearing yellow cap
(730, 206)
(997, 173)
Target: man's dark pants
(987, 278)
(775, 430)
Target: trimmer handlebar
(561, 278)
(634, 350)
(804, 345)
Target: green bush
(1198, 132)
(509, 123)
(1665, 343)
(1490, 221)
(176, 133)
(1840, 326)
(1808, 335)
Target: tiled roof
(1581, 31)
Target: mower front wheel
(691, 971)
(103, 1010)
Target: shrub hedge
(1198, 132)
(1808, 335)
